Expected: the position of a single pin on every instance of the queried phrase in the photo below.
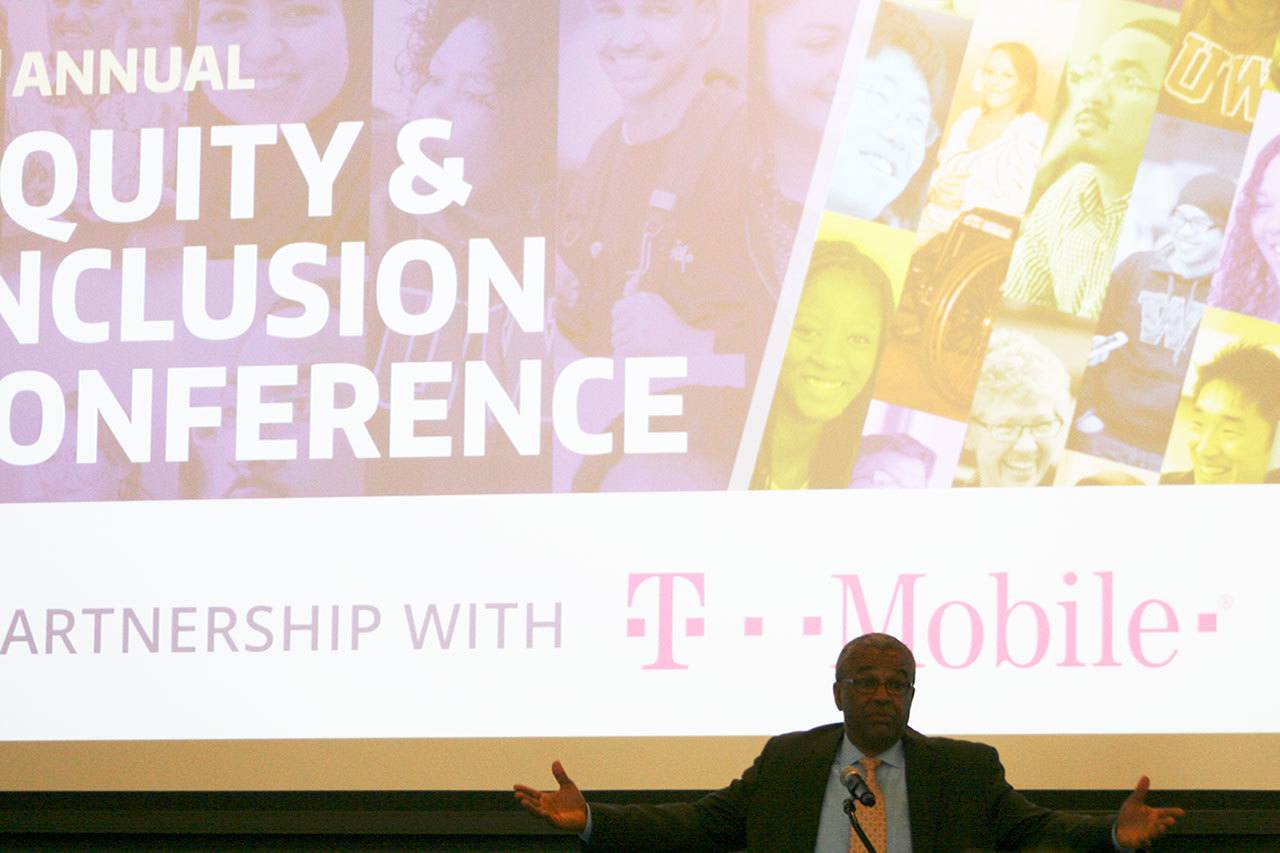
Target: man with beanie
(1149, 320)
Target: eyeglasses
(868, 685)
(883, 100)
(1012, 432)
(1191, 226)
(1120, 82)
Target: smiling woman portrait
(797, 52)
(988, 159)
(492, 75)
(310, 63)
(824, 386)
(1249, 279)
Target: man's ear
(710, 20)
(835, 691)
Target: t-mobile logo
(693, 626)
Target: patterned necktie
(871, 817)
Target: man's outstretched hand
(563, 809)
(1138, 824)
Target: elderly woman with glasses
(1021, 403)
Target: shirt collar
(1089, 199)
(894, 756)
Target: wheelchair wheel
(957, 328)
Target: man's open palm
(563, 809)
(1138, 824)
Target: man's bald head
(883, 642)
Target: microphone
(851, 778)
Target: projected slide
(362, 359)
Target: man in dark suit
(931, 793)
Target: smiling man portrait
(1063, 256)
(1232, 420)
(1020, 406)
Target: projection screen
(403, 394)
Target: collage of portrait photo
(1091, 291)
(905, 243)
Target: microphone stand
(849, 809)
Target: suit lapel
(813, 768)
(924, 792)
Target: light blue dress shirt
(834, 830)
(891, 777)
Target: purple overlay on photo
(902, 448)
(645, 267)
(493, 76)
(107, 78)
(313, 70)
(1248, 281)
(218, 468)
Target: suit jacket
(956, 792)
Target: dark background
(471, 821)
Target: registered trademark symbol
(1226, 602)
